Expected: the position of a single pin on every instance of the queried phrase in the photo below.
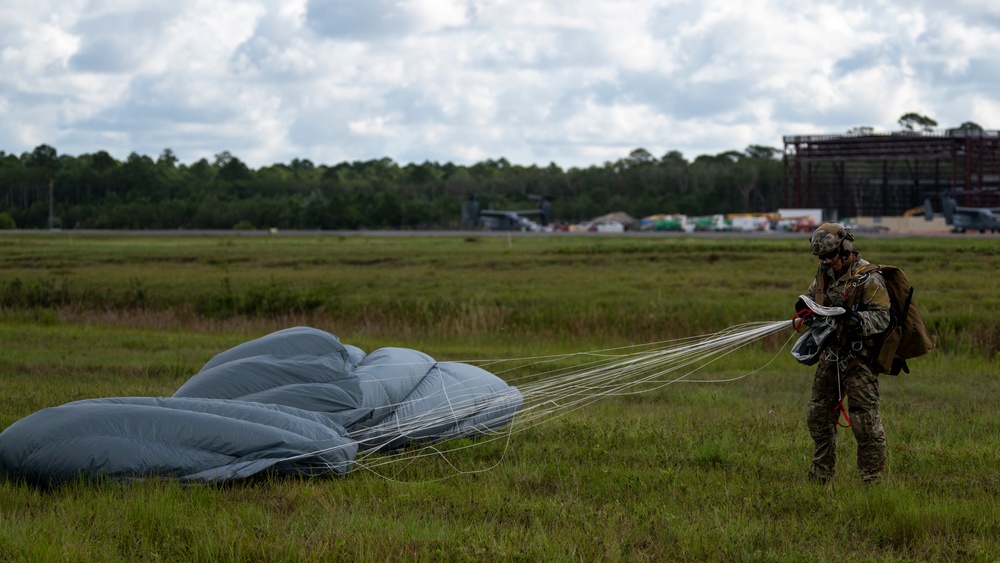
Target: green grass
(562, 290)
(692, 471)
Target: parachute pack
(907, 336)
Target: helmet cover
(830, 237)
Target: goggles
(829, 255)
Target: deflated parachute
(297, 401)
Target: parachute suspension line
(573, 388)
(549, 394)
(635, 374)
(616, 352)
(408, 457)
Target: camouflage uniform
(843, 368)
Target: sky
(572, 82)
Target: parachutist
(845, 364)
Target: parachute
(294, 402)
(300, 402)
(814, 340)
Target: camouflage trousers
(831, 382)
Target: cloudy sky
(575, 82)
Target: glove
(850, 320)
(799, 306)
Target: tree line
(42, 189)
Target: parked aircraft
(963, 219)
(505, 220)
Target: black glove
(800, 305)
(850, 320)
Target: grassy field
(711, 471)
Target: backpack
(906, 336)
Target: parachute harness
(842, 364)
(839, 409)
(831, 356)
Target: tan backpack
(906, 336)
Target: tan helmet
(829, 237)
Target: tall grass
(692, 471)
(578, 290)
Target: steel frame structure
(889, 174)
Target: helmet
(829, 237)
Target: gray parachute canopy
(297, 401)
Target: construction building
(891, 174)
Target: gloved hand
(850, 320)
(800, 305)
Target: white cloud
(577, 82)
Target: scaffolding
(890, 174)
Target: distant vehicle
(753, 222)
(668, 225)
(712, 223)
(609, 227)
(506, 220)
(662, 222)
(964, 219)
(798, 224)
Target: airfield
(763, 235)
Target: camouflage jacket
(872, 303)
